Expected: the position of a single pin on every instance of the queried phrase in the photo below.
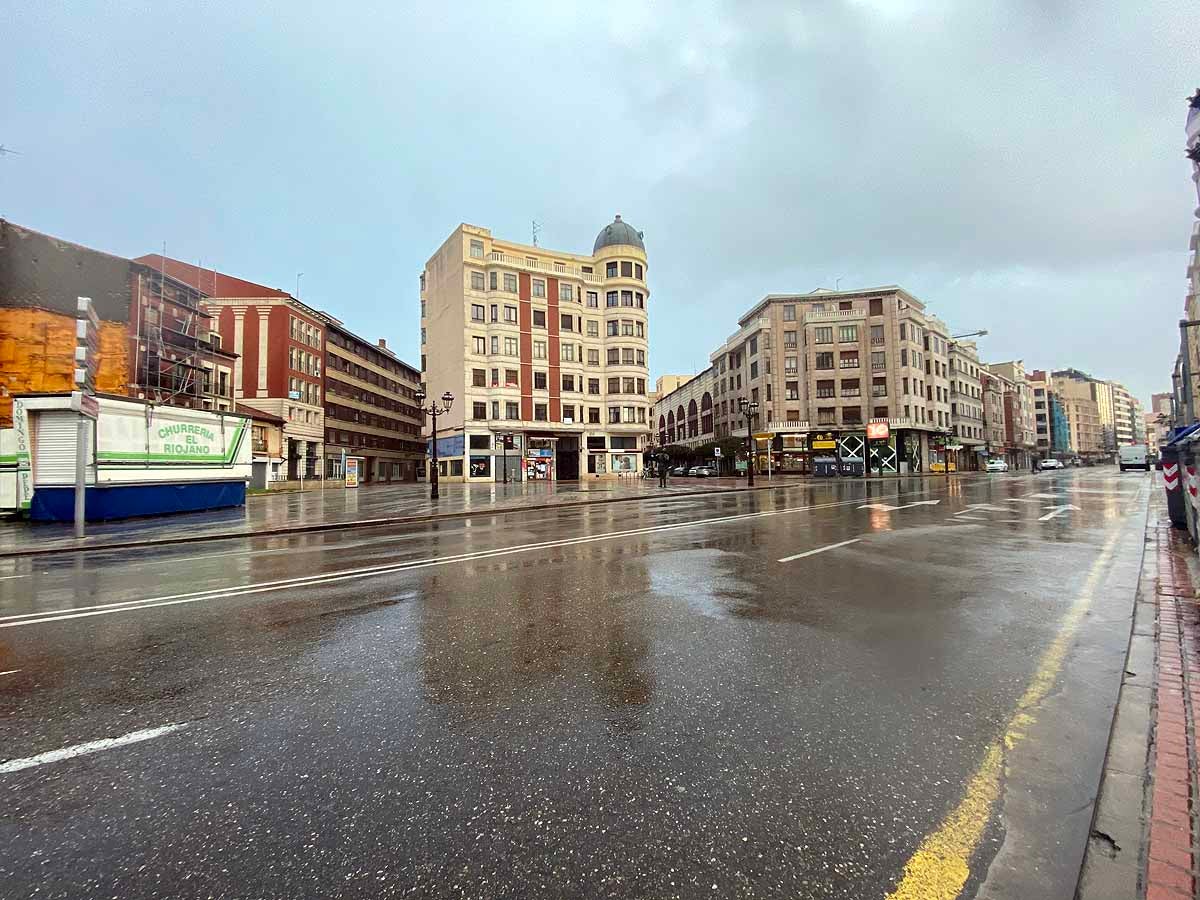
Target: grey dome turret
(618, 233)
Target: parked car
(1051, 463)
(703, 472)
(997, 465)
(679, 470)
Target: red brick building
(280, 344)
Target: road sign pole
(81, 460)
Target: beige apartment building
(684, 416)
(1085, 423)
(822, 366)
(547, 346)
(995, 417)
(1125, 412)
(966, 402)
(1020, 431)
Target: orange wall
(37, 353)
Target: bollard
(1173, 484)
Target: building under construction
(156, 342)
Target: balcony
(835, 315)
(539, 265)
(787, 426)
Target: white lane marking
(10, 672)
(985, 507)
(146, 734)
(961, 516)
(1019, 500)
(79, 612)
(22, 575)
(1056, 511)
(819, 550)
(886, 508)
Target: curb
(319, 527)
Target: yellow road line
(940, 866)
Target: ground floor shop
(536, 455)
(374, 466)
(844, 452)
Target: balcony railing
(538, 265)
(835, 315)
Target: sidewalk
(318, 509)
(1144, 838)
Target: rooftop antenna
(537, 229)
(837, 283)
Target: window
(568, 413)
(641, 357)
(568, 352)
(512, 410)
(880, 412)
(495, 377)
(627, 356)
(476, 312)
(614, 415)
(754, 346)
(479, 377)
(539, 318)
(593, 386)
(593, 415)
(851, 415)
(565, 292)
(641, 301)
(495, 312)
(593, 300)
(640, 329)
(637, 271)
(612, 327)
(846, 304)
(495, 409)
(566, 322)
(878, 360)
(478, 410)
(641, 386)
(539, 381)
(540, 412)
(850, 388)
(479, 345)
(510, 315)
(903, 354)
(789, 313)
(789, 340)
(614, 356)
(477, 249)
(876, 306)
(754, 369)
(823, 334)
(593, 328)
(614, 385)
(511, 378)
(492, 276)
(510, 346)
(510, 282)
(610, 299)
(826, 415)
(610, 270)
(593, 357)
(495, 344)
(626, 269)
(539, 287)
(848, 334)
(568, 382)
(629, 414)
(822, 361)
(903, 332)
(627, 328)
(539, 349)
(877, 335)
(477, 281)
(628, 386)
(627, 298)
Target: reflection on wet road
(780, 694)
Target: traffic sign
(717, 452)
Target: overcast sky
(1019, 166)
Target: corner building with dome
(547, 347)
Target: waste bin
(1173, 484)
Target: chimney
(382, 344)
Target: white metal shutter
(54, 452)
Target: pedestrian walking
(663, 471)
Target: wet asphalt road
(633, 700)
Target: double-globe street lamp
(749, 409)
(434, 411)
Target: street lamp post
(749, 409)
(504, 439)
(434, 411)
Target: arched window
(693, 420)
(662, 431)
(670, 427)
(706, 414)
(680, 423)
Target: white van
(1133, 456)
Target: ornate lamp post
(434, 411)
(749, 409)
